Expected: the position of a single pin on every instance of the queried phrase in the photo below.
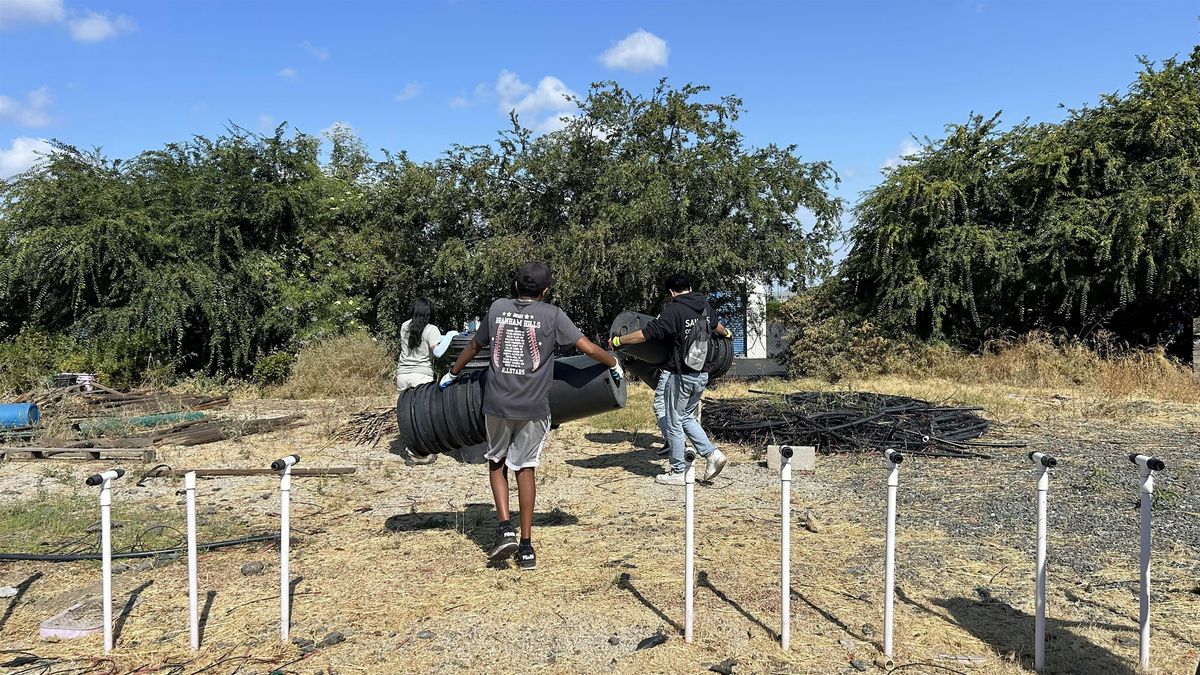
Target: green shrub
(29, 359)
(832, 345)
(273, 369)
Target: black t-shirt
(523, 335)
(676, 323)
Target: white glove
(447, 380)
(617, 373)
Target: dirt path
(393, 559)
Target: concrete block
(804, 458)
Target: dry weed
(350, 365)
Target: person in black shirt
(683, 314)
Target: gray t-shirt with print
(522, 335)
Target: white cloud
(288, 73)
(542, 108)
(319, 52)
(907, 147)
(459, 102)
(95, 27)
(337, 128)
(640, 50)
(509, 87)
(266, 123)
(551, 94)
(21, 154)
(411, 90)
(32, 113)
(13, 12)
(553, 123)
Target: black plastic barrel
(433, 420)
(459, 342)
(645, 360)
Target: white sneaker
(716, 461)
(670, 478)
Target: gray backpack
(696, 351)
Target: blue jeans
(660, 402)
(682, 398)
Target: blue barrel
(14, 415)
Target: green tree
(213, 254)
(632, 188)
(1094, 221)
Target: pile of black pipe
(853, 422)
(646, 360)
(432, 420)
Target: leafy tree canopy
(210, 254)
(1094, 221)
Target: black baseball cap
(535, 274)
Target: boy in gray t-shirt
(523, 334)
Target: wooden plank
(213, 473)
(140, 454)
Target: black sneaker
(527, 559)
(506, 543)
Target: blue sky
(846, 82)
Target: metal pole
(689, 479)
(1147, 465)
(785, 553)
(285, 488)
(104, 480)
(189, 486)
(1044, 462)
(891, 462)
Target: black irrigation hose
(854, 422)
(76, 557)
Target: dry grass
(1038, 362)
(396, 550)
(350, 365)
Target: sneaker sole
(502, 551)
(527, 569)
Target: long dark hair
(422, 314)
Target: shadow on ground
(468, 455)
(636, 439)
(1010, 631)
(625, 583)
(703, 581)
(119, 625)
(476, 522)
(828, 615)
(642, 461)
(22, 588)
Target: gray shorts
(517, 443)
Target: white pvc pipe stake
(1147, 465)
(891, 462)
(104, 480)
(285, 488)
(689, 489)
(785, 553)
(189, 486)
(1044, 462)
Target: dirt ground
(393, 557)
